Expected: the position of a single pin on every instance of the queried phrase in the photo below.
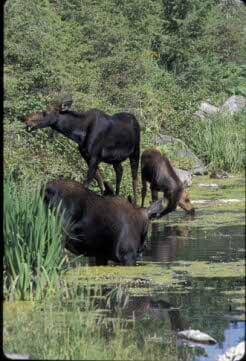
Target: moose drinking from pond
(158, 171)
(100, 137)
(108, 228)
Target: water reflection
(203, 305)
(159, 317)
(165, 241)
(149, 308)
(168, 243)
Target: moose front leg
(93, 163)
(98, 175)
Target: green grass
(70, 327)
(220, 141)
(32, 243)
(228, 188)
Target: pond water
(191, 275)
(182, 242)
(206, 306)
(211, 304)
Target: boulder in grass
(208, 185)
(182, 151)
(202, 170)
(197, 336)
(234, 104)
(185, 176)
(219, 174)
(208, 109)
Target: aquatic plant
(32, 242)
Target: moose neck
(72, 125)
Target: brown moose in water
(158, 171)
(100, 138)
(105, 227)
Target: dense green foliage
(157, 59)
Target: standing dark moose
(100, 137)
(158, 171)
(108, 228)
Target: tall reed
(32, 242)
(220, 141)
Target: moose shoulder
(108, 228)
(100, 138)
(158, 171)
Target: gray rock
(200, 114)
(208, 185)
(187, 153)
(234, 104)
(165, 139)
(231, 3)
(17, 356)
(206, 110)
(183, 152)
(197, 336)
(234, 353)
(200, 170)
(219, 174)
(185, 176)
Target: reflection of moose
(108, 228)
(100, 137)
(158, 171)
(164, 243)
(141, 307)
